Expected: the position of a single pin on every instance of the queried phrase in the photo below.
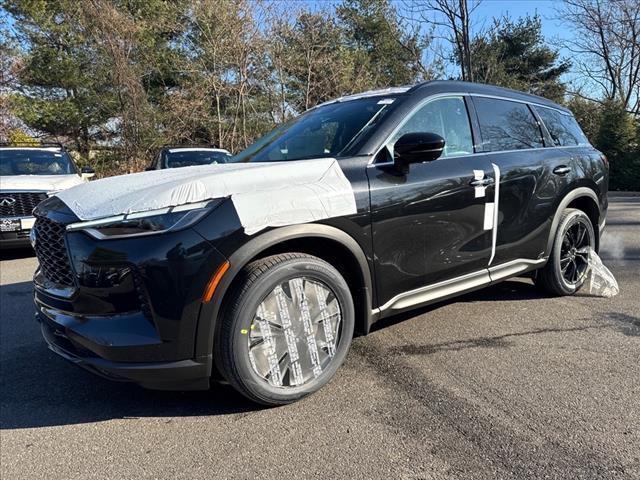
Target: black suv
(259, 271)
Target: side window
(563, 128)
(448, 118)
(506, 125)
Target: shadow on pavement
(510, 290)
(41, 389)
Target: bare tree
(454, 16)
(606, 41)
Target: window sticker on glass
(386, 101)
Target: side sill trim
(456, 285)
(436, 290)
(512, 268)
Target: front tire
(286, 328)
(567, 268)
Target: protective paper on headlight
(264, 194)
(600, 281)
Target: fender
(568, 198)
(209, 312)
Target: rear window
(506, 125)
(563, 128)
(188, 158)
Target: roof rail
(191, 145)
(34, 143)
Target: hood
(264, 194)
(49, 183)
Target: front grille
(52, 251)
(19, 204)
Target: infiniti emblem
(7, 201)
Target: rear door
(431, 224)
(512, 139)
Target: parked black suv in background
(262, 269)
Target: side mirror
(87, 172)
(416, 148)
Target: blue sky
(551, 28)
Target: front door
(434, 223)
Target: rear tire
(566, 270)
(277, 342)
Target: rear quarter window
(506, 125)
(563, 128)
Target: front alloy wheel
(294, 332)
(286, 328)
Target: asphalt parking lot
(501, 383)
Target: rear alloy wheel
(568, 264)
(287, 329)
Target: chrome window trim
(437, 96)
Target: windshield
(187, 158)
(322, 132)
(35, 162)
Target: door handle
(561, 170)
(481, 183)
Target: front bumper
(176, 375)
(18, 239)
(128, 308)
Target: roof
(453, 86)
(371, 93)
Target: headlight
(146, 223)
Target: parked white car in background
(28, 175)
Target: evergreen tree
(515, 55)
(62, 91)
(587, 114)
(617, 139)
(389, 54)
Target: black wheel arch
(581, 198)
(324, 241)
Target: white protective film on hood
(264, 194)
(47, 183)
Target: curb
(614, 194)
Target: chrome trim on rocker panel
(512, 268)
(457, 285)
(436, 290)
